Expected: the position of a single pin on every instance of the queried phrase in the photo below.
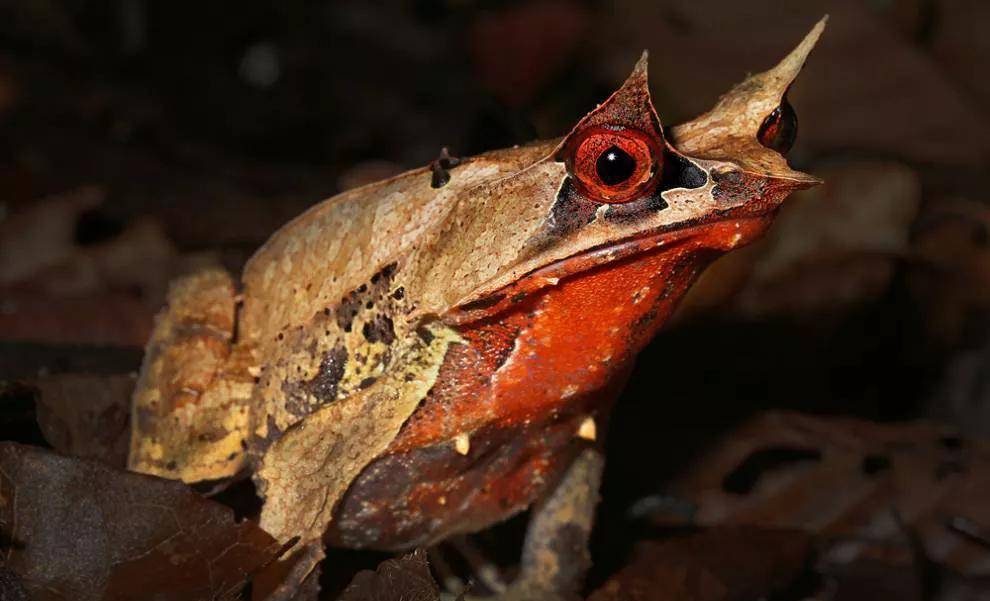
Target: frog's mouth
(720, 235)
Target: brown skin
(412, 362)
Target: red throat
(555, 353)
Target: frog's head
(619, 184)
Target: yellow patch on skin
(190, 405)
(462, 443)
(306, 471)
(588, 430)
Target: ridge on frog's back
(337, 245)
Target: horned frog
(431, 354)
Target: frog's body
(409, 362)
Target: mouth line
(746, 230)
(720, 230)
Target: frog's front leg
(190, 406)
(555, 554)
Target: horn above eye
(614, 165)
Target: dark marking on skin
(669, 288)
(272, 433)
(296, 401)
(735, 187)
(347, 311)
(570, 212)
(679, 172)
(367, 382)
(643, 321)
(324, 384)
(379, 329)
(364, 298)
(425, 334)
(630, 212)
(389, 270)
(483, 303)
(570, 540)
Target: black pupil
(615, 166)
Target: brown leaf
(42, 235)
(87, 415)
(721, 564)
(404, 579)
(57, 289)
(75, 529)
(848, 480)
(961, 45)
(110, 319)
(11, 588)
(951, 279)
(293, 578)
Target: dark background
(140, 139)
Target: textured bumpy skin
(191, 403)
(409, 362)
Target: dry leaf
(404, 579)
(75, 529)
(951, 277)
(42, 235)
(850, 480)
(720, 564)
(86, 415)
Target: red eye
(614, 166)
(779, 129)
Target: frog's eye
(614, 165)
(779, 129)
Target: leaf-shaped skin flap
(629, 106)
(729, 132)
(712, 169)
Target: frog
(427, 356)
